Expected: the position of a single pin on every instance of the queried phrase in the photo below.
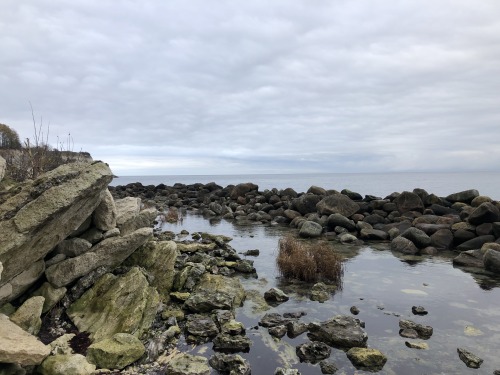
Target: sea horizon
(371, 183)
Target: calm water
(384, 286)
(379, 184)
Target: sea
(377, 184)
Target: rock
(127, 209)
(73, 247)
(316, 190)
(351, 194)
(233, 327)
(236, 343)
(476, 202)
(158, 259)
(310, 229)
(403, 245)
(61, 345)
(465, 196)
(367, 358)
(419, 310)
(328, 367)
(252, 253)
(470, 258)
(116, 304)
(66, 364)
(348, 238)
(116, 352)
(201, 326)
(46, 211)
(340, 331)
(408, 201)
(186, 364)
(306, 203)
(286, 371)
(320, 292)
(471, 360)
(20, 283)
(424, 332)
(491, 260)
(475, 243)
(51, 295)
(110, 252)
(27, 316)
(145, 219)
(417, 345)
(11, 369)
(442, 239)
(273, 320)
(338, 220)
(313, 351)
(337, 204)
(241, 190)
(295, 329)
(275, 295)
(354, 310)
(486, 213)
(18, 346)
(408, 333)
(230, 364)
(373, 235)
(418, 237)
(278, 331)
(216, 292)
(105, 215)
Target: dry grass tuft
(309, 262)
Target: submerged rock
(424, 332)
(313, 351)
(275, 295)
(367, 358)
(186, 364)
(232, 364)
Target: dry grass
(309, 262)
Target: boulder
(116, 352)
(275, 295)
(286, 371)
(337, 204)
(18, 346)
(340, 331)
(104, 216)
(491, 260)
(373, 234)
(408, 201)
(313, 351)
(310, 229)
(66, 364)
(306, 203)
(230, 364)
(232, 343)
(201, 326)
(46, 211)
(423, 332)
(27, 316)
(442, 239)
(158, 259)
(316, 190)
(241, 190)
(403, 245)
(418, 237)
(73, 247)
(352, 195)
(475, 243)
(110, 252)
(367, 358)
(127, 209)
(471, 360)
(187, 364)
(216, 292)
(145, 218)
(50, 294)
(116, 304)
(339, 220)
(465, 196)
(20, 283)
(469, 258)
(486, 213)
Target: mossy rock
(117, 352)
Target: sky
(238, 87)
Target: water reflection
(383, 286)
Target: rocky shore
(87, 286)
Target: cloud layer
(217, 87)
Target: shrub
(309, 261)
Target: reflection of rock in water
(485, 279)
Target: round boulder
(408, 201)
(310, 229)
(117, 352)
(417, 236)
(337, 204)
(486, 213)
(403, 245)
(313, 351)
(367, 358)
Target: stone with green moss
(66, 364)
(116, 352)
(116, 304)
(187, 364)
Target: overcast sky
(281, 86)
